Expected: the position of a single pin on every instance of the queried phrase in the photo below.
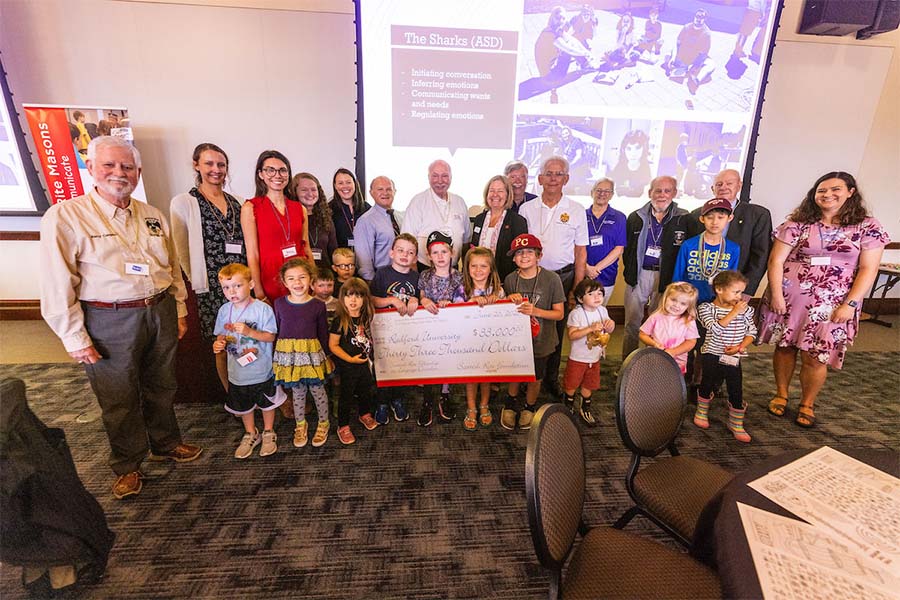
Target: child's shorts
(581, 375)
(244, 399)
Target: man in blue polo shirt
(606, 237)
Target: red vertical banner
(50, 131)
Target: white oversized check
(463, 343)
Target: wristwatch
(852, 303)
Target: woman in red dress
(275, 227)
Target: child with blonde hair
(673, 326)
(481, 284)
(300, 363)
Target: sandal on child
(777, 405)
(805, 417)
(485, 417)
(469, 422)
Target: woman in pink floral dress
(823, 262)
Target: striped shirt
(719, 337)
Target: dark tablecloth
(719, 538)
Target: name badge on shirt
(317, 254)
(597, 240)
(730, 360)
(654, 251)
(476, 229)
(289, 251)
(133, 268)
(350, 242)
(246, 359)
(233, 247)
(820, 260)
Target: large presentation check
(463, 343)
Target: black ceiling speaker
(837, 17)
(887, 18)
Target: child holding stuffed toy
(589, 327)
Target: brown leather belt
(150, 301)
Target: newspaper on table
(795, 560)
(850, 500)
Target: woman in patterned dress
(206, 227)
(823, 262)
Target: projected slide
(624, 89)
(15, 189)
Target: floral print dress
(818, 274)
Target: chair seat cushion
(610, 563)
(676, 488)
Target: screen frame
(746, 176)
(38, 193)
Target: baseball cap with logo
(716, 204)
(438, 237)
(523, 241)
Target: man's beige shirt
(85, 245)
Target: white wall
(279, 76)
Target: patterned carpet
(406, 512)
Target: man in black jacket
(751, 228)
(654, 234)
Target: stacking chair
(650, 403)
(607, 563)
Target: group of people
(572, 40)
(265, 271)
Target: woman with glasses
(275, 227)
(322, 237)
(347, 204)
(498, 226)
(606, 238)
(206, 228)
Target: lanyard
(655, 238)
(714, 269)
(545, 227)
(109, 227)
(215, 211)
(352, 220)
(533, 288)
(602, 218)
(287, 213)
(240, 314)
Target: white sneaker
(248, 443)
(268, 443)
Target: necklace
(219, 220)
(706, 269)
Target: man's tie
(390, 213)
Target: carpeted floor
(406, 512)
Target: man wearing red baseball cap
(538, 292)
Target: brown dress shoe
(128, 484)
(180, 453)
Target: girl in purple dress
(823, 262)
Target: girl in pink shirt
(673, 326)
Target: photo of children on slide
(694, 54)
(579, 139)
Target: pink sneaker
(345, 435)
(368, 422)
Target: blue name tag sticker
(133, 268)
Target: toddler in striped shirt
(729, 330)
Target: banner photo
(61, 135)
(463, 343)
